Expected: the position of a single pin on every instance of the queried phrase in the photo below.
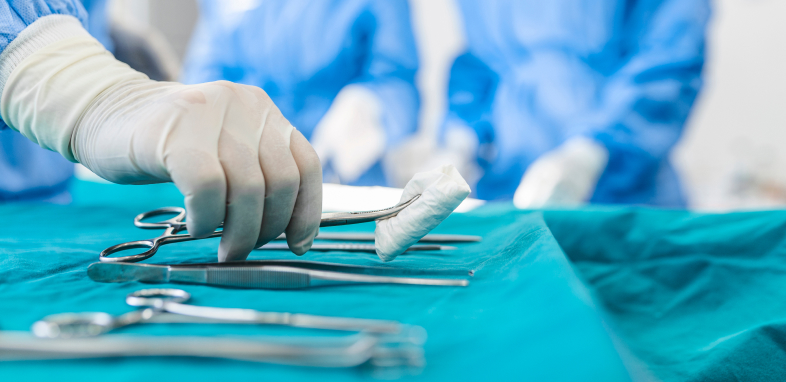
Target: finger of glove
(245, 197)
(282, 177)
(200, 178)
(306, 216)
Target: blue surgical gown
(537, 73)
(302, 53)
(28, 172)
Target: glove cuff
(52, 72)
(42, 32)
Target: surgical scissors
(177, 224)
(165, 305)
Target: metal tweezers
(369, 236)
(366, 248)
(270, 274)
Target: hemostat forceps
(177, 224)
(168, 306)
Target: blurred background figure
(341, 71)
(588, 71)
(730, 156)
(572, 101)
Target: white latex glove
(351, 135)
(440, 190)
(565, 176)
(227, 147)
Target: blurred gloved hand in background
(565, 176)
(227, 147)
(351, 135)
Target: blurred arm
(647, 100)
(379, 109)
(390, 67)
(203, 63)
(651, 76)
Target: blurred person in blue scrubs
(573, 101)
(342, 72)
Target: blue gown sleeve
(16, 15)
(390, 66)
(647, 99)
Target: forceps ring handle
(177, 222)
(151, 245)
(156, 297)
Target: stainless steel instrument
(165, 305)
(266, 274)
(369, 236)
(347, 351)
(366, 248)
(380, 343)
(177, 224)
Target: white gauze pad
(441, 191)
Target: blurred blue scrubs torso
(302, 53)
(537, 73)
(28, 172)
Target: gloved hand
(351, 134)
(227, 147)
(565, 176)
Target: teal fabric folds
(525, 316)
(599, 294)
(696, 297)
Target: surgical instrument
(259, 275)
(369, 236)
(335, 267)
(159, 305)
(367, 248)
(346, 351)
(177, 224)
